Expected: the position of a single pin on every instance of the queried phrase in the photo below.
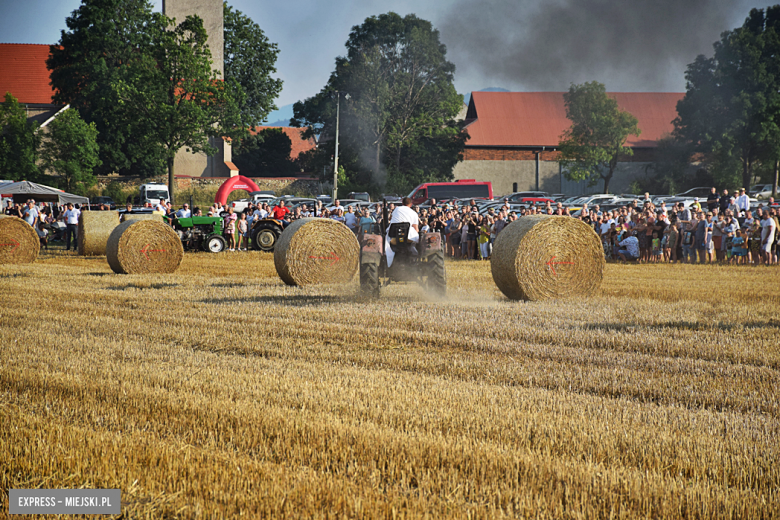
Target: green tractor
(265, 233)
(198, 233)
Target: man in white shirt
(403, 213)
(743, 202)
(161, 207)
(767, 237)
(184, 212)
(71, 225)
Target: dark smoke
(547, 45)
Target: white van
(153, 192)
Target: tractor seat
(399, 233)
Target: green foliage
(266, 154)
(19, 142)
(401, 97)
(591, 147)
(250, 59)
(71, 151)
(177, 95)
(104, 41)
(731, 110)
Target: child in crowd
(738, 250)
(656, 247)
(230, 229)
(243, 230)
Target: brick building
(514, 138)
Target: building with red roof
(299, 143)
(23, 73)
(513, 139)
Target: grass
(218, 391)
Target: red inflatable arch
(239, 182)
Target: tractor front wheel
(214, 244)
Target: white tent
(23, 190)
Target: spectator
(366, 221)
(712, 200)
(242, 233)
(629, 248)
(743, 202)
(184, 212)
(280, 211)
(71, 226)
(768, 231)
(484, 237)
(230, 229)
(31, 214)
(725, 200)
(351, 220)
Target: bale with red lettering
(540, 257)
(144, 246)
(316, 250)
(19, 243)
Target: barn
(514, 138)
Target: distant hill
(280, 117)
(467, 97)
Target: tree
(71, 150)
(591, 147)
(104, 40)
(731, 109)
(250, 59)
(401, 90)
(19, 142)
(177, 96)
(266, 154)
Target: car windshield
(157, 195)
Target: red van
(460, 189)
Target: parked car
(702, 192)
(95, 202)
(761, 191)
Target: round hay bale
(316, 250)
(19, 243)
(540, 257)
(140, 216)
(94, 229)
(144, 246)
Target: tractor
(200, 233)
(421, 262)
(265, 233)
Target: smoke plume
(636, 45)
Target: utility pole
(336, 156)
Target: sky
(534, 45)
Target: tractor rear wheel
(437, 275)
(369, 280)
(265, 237)
(214, 244)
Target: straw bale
(19, 243)
(144, 246)
(316, 250)
(541, 257)
(94, 229)
(140, 216)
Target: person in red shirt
(280, 212)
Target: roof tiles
(23, 72)
(299, 144)
(539, 118)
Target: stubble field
(217, 392)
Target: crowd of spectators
(723, 229)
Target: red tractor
(421, 262)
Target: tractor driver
(403, 213)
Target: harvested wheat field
(219, 391)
